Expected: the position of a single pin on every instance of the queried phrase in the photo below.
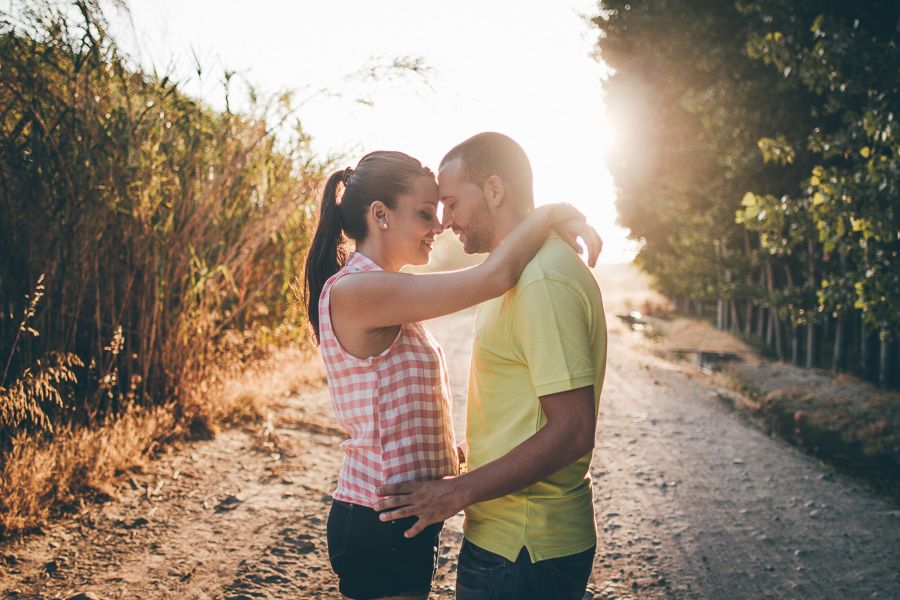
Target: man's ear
(494, 191)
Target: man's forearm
(567, 436)
(544, 453)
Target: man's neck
(504, 223)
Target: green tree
(760, 164)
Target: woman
(386, 374)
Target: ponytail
(328, 251)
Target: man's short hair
(490, 153)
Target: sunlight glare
(523, 69)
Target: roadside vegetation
(757, 161)
(149, 247)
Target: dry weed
(43, 478)
(245, 393)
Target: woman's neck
(375, 252)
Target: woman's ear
(494, 191)
(378, 211)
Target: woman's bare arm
(379, 299)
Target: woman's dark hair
(381, 175)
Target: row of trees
(759, 166)
(140, 230)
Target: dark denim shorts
(372, 559)
(483, 575)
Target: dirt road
(691, 502)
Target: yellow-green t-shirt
(546, 335)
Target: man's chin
(469, 245)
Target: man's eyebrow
(446, 197)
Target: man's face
(465, 209)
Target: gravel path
(694, 503)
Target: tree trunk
(883, 352)
(761, 323)
(748, 320)
(748, 311)
(865, 358)
(774, 319)
(837, 363)
(795, 330)
(840, 329)
(812, 338)
(735, 325)
(812, 344)
(795, 343)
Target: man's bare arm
(567, 436)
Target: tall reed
(163, 228)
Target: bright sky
(520, 68)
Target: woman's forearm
(505, 264)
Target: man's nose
(447, 222)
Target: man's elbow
(573, 418)
(583, 440)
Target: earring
(384, 225)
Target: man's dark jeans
(484, 575)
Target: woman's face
(413, 223)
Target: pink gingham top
(395, 406)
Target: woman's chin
(423, 257)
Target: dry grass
(44, 478)
(41, 479)
(157, 225)
(661, 308)
(842, 420)
(164, 238)
(239, 394)
(24, 404)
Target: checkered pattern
(395, 406)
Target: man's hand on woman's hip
(430, 501)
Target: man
(538, 363)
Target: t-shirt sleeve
(551, 334)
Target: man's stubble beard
(480, 232)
